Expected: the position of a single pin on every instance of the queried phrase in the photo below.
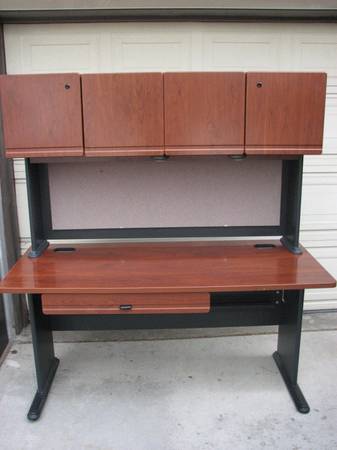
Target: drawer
(175, 303)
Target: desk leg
(45, 361)
(288, 348)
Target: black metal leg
(45, 361)
(288, 348)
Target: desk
(166, 196)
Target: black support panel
(45, 361)
(288, 347)
(292, 174)
(34, 192)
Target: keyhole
(66, 86)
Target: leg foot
(296, 249)
(294, 390)
(41, 395)
(41, 247)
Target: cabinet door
(123, 114)
(41, 115)
(285, 113)
(204, 113)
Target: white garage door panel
(330, 121)
(141, 47)
(157, 51)
(319, 239)
(319, 198)
(42, 50)
(237, 48)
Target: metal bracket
(38, 249)
(296, 250)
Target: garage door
(138, 47)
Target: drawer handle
(259, 84)
(125, 307)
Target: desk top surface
(166, 267)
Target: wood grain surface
(204, 151)
(123, 110)
(282, 151)
(204, 109)
(124, 114)
(44, 152)
(285, 110)
(166, 267)
(42, 115)
(173, 303)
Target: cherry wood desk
(164, 195)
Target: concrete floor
(188, 394)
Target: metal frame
(41, 221)
(45, 361)
(288, 346)
(283, 308)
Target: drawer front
(175, 303)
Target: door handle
(125, 307)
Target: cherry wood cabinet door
(285, 113)
(42, 115)
(204, 113)
(123, 114)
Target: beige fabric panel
(178, 192)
